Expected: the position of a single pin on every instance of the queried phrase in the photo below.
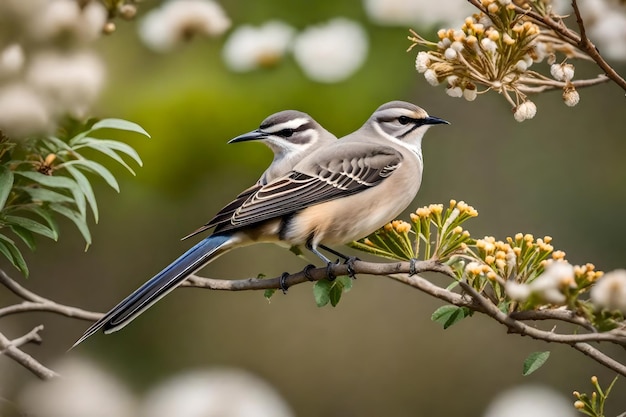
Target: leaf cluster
(44, 177)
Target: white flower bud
(610, 291)
(422, 61)
(525, 111)
(488, 45)
(470, 94)
(450, 54)
(517, 292)
(454, 92)
(562, 72)
(570, 96)
(431, 77)
(521, 65)
(457, 46)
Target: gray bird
(338, 193)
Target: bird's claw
(282, 283)
(329, 271)
(412, 267)
(307, 272)
(350, 263)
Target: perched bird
(338, 193)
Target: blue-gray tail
(159, 285)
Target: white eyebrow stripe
(289, 124)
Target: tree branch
(11, 349)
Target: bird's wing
(335, 172)
(225, 214)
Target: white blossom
(449, 13)
(470, 94)
(571, 97)
(250, 47)
(454, 92)
(331, 52)
(516, 291)
(58, 18)
(525, 111)
(450, 53)
(83, 390)
(70, 82)
(609, 33)
(610, 291)
(22, 111)
(431, 77)
(488, 45)
(530, 401)
(562, 72)
(422, 61)
(215, 393)
(11, 60)
(180, 20)
(549, 285)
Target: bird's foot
(282, 283)
(412, 268)
(307, 272)
(350, 262)
(329, 270)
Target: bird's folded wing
(338, 171)
(226, 213)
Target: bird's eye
(286, 133)
(404, 120)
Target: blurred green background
(561, 174)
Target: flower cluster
(329, 52)
(46, 70)
(497, 49)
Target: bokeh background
(560, 174)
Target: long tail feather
(160, 285)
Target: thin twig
(11, 349)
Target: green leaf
(96, 168)
(32, 226)
(448, 315)
(13, 254)
(75, 217)
(268, 293)
(85, 187)
(54, 181)
(340, 284)
(101, 144)
(321, 292)
(47, 216)
(43, 194)
(119, 124)
(113, 155)
(26, 236)
(534, 361)
(6, 184)
(58, 143)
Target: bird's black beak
(432, 120)
(254, 135)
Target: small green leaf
(54, 181)
(113, 155)
(85, 187)
(534, 361)
(448, 315)
(100, 144)
(336, 290)
(96, 168)
(321, 292)
(268, 293)
(26, 236)
(49, 196)
(6, 184)
(47, 216)
(119, 124)
(75, 217)
(13, 254)
(295, 249)
(32, 226)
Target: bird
(336, 194)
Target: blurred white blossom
(11, 60)
(223, 393)
(22, 111)
(605, 22)
(66, 18)
(421, 13)
(180, 20)
(84, 390)
(331, 52)
(610, 291)
(70, 82)
(530, 401)
(549, 286)
(250, 47)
